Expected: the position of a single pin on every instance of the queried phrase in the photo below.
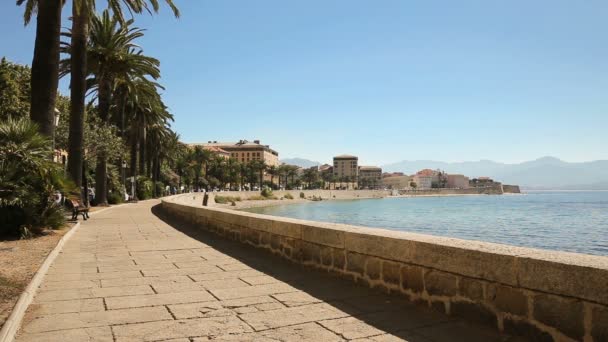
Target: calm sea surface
(565, 221)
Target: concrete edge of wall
(523, 291)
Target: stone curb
(13, 323)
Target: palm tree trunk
(45, 66)
(101, 169)
(133, 163)
(80, 28)
(142, 151)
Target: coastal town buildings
(423, 182)
(370, 177)
(217, 151)
(397, 182)
(458, 182)
(346, 167)
(245, 151)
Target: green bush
(288, 196)
(267, 192)
(144, 188)
(160, 189)
(29, 180)
(226, 199)
(115, 197)
(302, 195)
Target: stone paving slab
(127, 275)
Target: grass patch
(261, 198)
(226, 199)
(288, 196)
(10, 288)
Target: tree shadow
(381, 315)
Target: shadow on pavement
(391, 314)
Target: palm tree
(81, 11)
(45, 64)
(111, 55)
(272, 171)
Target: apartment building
(346, 166)
(245, 151)
(370, 177)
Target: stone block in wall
(570, 274)
(381, 246)
(373, 268)
(286, 227)
(275, 242)
(599, 323)
(391, 273)
(339, 256)
(259, 223)
(311, 253)
(412, 278)
(475, 312)
(565, 314)
(265, 239)
(326, 256)
(491, 262)
(323, 235)
(524, 328)
(355, 262)
(440, 283)
(508, 299)
(471, 288)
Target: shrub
(226, 199)
(288, 196)
(29, 180)
(160, 189)
(302, 195)
(144, 188)
(115, 198)
(267, 192)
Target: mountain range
(545, 173)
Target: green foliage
(145, 188)
(115, 198)
(302, 195)
(226, 199)
(266, 192)
(28, 180)
(14, 90)
(288, 196)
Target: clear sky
(386, 80)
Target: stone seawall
(539, 294)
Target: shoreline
(351, 195)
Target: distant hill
(542, 173)
(300, 162)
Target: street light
(56, 115)
(124, 180)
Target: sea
(571, 221)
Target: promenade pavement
(127, 275)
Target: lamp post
(56, 115)
(122, 176)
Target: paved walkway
(126, 275)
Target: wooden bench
(79, 208)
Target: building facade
(346, 166)
(458, 182)
(396, 182)
(423, 182)
(370, 177)
(245, 151)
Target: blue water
(564, 221)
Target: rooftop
(346, 156)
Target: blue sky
(385, 80)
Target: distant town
(344, 173)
